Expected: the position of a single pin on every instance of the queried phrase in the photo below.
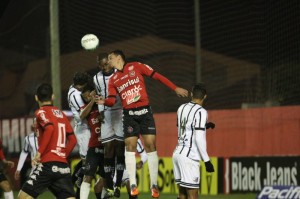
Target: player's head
(199, 92)
(80, 80)
(116, 58)
(86, 92)
(102, 60)
(33, 125)
(44, 93)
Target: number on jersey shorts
(112, 128)
(186, 171)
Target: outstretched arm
(181, 92)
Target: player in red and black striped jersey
(128, 82)
(56, 141)
(95, 153)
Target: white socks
(8, 195)
(131, 166)
(85, 190)
(153, 167)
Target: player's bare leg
(98, 187)
(182, 192)
(23, 195)
(5, 186)
(192, 193)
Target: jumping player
(128, 82)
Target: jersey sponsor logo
(131, 74)
(140, 112)
(98, 130)
(58, 152)
(132, 95)
(56, 169)
(128, 83)
(57, 113)
(290, 192)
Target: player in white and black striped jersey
(75, 101)
(112, 135)
(30, 146)
(191, 147)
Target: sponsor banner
(279, 192)
(251, 174)
(166, 181)
(209, 181)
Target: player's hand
(209, 166)
(181, 92)
(9, 163)
(209, 125)
(37, 158)
(17, 175)
(139, 165)
(93, 93)
(99, 100)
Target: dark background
(264, 33)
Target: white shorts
(83, 137)
(112, 128)
(186, 171)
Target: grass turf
(48, 195)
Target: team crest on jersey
(129, 129)
(131, 73)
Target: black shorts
(2, 176)
(138, 121)
(56, 176)
(94, 161)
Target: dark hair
(44, 92)
(101, 56)
(89, 87)
(118, 52)
(80, 78)
(199, 91)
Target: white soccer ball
(90, 42)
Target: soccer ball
(90, 42)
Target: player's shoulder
(97, 75)
(72, 90)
